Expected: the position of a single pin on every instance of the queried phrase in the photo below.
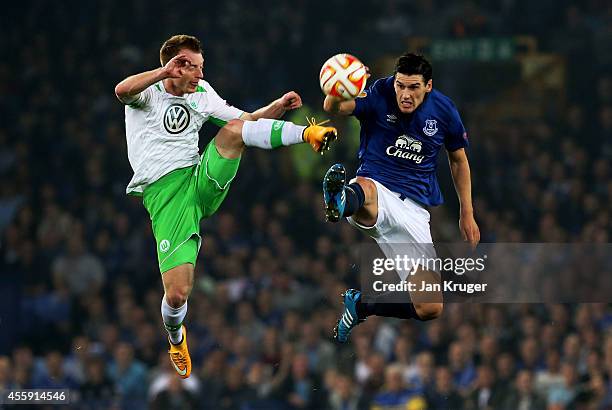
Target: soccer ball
(344, 76)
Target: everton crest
(431, 127)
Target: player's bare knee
(176, 300)
(176, 296)
(428, 311)
(369, 188)
(229, 138)
(231, 133)
(233, 129)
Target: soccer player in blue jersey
(404, 124)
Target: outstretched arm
(335, 105)
(460, 171)
(276, 108)
(128, 90)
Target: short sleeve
(456, 135)
(366, 104)
(142, 100)
(219, 110)
(363, 105)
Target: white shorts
(401, 228)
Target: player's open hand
(290, 101)
(469, 230)
(174, 67)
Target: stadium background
(79, 286)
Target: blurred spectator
(394, 392)
(319, 351)
(530, 355)
(147, 344)
(485, 394)
(551, 376)
(564, 394)
(421, 375)
(174, 397)
(402, 353)
(301, 388)
(461, 367)
(79, 270)
(488, 350)
(524, 396)
(128, 376)
(505, 368)
(163, 373)
(375, 368)
(75, 363)
(97, 391)
(23, 366)
(5, 375)
(235, 393)
(212, 384)
(52, 375)
(443, 395)
(346, 396)
(249, 324)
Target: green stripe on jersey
(276, 134)
(200, 89)
(136, 103)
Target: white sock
(270, 134)
(173, 320)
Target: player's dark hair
(413, 64)
(174, 44)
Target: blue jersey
(400, 150)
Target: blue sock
(355, 198)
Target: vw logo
(176, 118)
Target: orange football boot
(179, 356)
(319, 137)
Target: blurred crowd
(80, 289)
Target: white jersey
(162, 130)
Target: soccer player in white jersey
(165, 109)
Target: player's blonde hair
(174, 44)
